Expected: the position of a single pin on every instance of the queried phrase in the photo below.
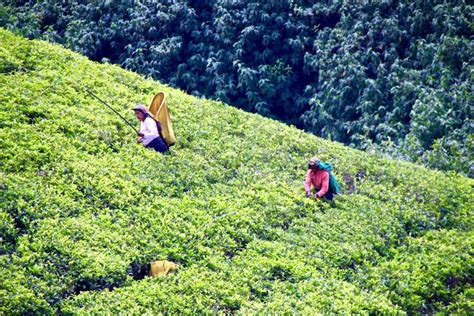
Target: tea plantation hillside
(84, 208)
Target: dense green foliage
(84, 208)
(392, 76)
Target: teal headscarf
(334, 186)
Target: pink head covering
(140, 107)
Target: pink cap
(140, 107)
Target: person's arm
(324, 185)
(140, 134)
(307, 183)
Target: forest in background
(384, 76)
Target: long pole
(128, 123)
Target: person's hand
(308, 194)
(140, 134)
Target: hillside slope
(84, 208)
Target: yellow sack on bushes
(162, 267)
(160, 112)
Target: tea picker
(151, 133)
(156, 131)
(320, 177)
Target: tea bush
(84, 208)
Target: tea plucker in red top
(319, 179)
